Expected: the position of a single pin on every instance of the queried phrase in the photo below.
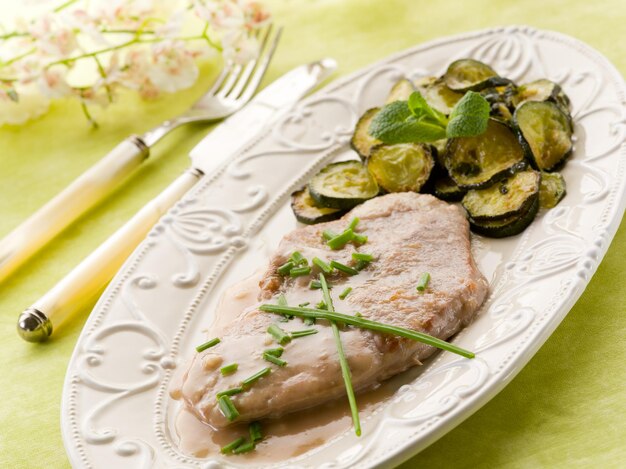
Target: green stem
(103, 75)
(12, 34)
(345, 368)
(368, 324)
(19, 57)
(88, 115)
(64, 5)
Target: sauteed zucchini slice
(343, 185)
(500, 99)
(477, 162)
(307, 212)
(545, 133)
(362, 142)
(542, 90)
(508, 226)
(438, 95)
(400, 91)
(446, 189)
(402, 167)
(507, 198)
(552, 190)
(469, 74)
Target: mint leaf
(395, 123)
(469, 117)
(422, 110)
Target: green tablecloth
(565, 409)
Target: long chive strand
(345, 368)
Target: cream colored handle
(88, 279)
(82, 194)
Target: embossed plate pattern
(116, 412)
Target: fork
(232, 89)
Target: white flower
(54, 37)
(30, 104)
(171, 67)
(173, 27)
(239, 46)
(52, 83)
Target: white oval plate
(116, 411)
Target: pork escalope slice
(408, 234)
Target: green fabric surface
(565, 409)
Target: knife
(88, 279)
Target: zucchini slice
(545, 133)
(307, 212)
(508, 226)
(343, 185)
(469, 74)
(552, 190)
(446, 189)
(505, 199)
(500, 99)
(438, 95)
(362, 142)
(401, 168)
(400, 91)
(477, 162)
(542, 90)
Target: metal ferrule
(34, 326)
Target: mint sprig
(416, 121)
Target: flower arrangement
(89, 49)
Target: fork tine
(230, 81)
(264, 63)
(220, 79)
(249, 68)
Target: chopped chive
(244, 448)
(343, 268)
(358, 315)
(255, 432)
(340, 240)
(359, 238)
(300, 271)
(361, 256)
(364, 323)
(229, 392)
(279, 335)
(328, 235)
(282, 300)
(286, 268)
(315, 285)
(230, 447)
(343, 361)
(345, 293)
(304, 333)
(206, 345)
(309, 321)
(354, 223)
(277, 352)
(361, 265)
(274, 359)
(324, 267)
(255, 377)
(297, 258)
(306, 303)
(321, 305)
(423, 281)
(228, 369)
(228, 408)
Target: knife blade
(273, 100)
(89, 277)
